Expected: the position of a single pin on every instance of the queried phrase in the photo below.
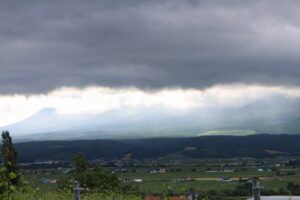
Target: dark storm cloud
(149, 44)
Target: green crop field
(161, 182)
(174, 181)
(237, 132)
(208, 177)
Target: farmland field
(204, 181)
(164, 178)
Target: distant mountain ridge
(272, 115)
(44, 121)
(256, 146)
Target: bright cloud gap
(96, 99)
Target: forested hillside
(195, 147)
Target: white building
(138, 180)
(277, 198)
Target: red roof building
(152, 197)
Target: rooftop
(278, 198)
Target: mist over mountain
(46, 120)
(273, 115)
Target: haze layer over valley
(193, 113)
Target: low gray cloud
(147, 43)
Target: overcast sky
(148, 45)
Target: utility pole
(256, 189)
(76, 190)
(192, 196)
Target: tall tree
(10, 171)
(96, 177)
(81, 167)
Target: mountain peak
(47, 111)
